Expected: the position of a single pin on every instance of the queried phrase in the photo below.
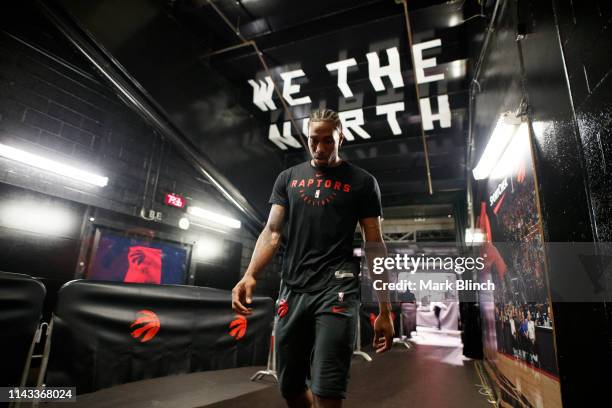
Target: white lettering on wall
(284, 140)
(391, 110)
(342, 68)
(443, 115)
(352, 121)
(262, 93)
(393, 70)
(290, 89)
(420, 64)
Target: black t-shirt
(323, 206)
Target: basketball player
(320, 201)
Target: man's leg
(304, 400)
(321, 402)
(294, 340)
(335, 325)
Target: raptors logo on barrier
(150, 325)
(238, 327)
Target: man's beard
(326, 165)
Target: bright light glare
(53, 166)
(208, 248)
(184, 223)
(454, 20)
(502, 135)
(511, 156)
(474, 236)
(33, 217)
(457, 69)
(214, 217)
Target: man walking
(320, 201)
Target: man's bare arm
(267, 244)
(375, 248)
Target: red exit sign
(175, 200)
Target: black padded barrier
(107, 333)
(21, 303)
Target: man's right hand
(383, 332)
(242, 295)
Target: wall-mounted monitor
(137, 259)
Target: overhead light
(53, 166)
(214, 217)
(502, 135)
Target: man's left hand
(383, 332)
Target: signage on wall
(174, 200)
(353, 120)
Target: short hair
(325, 115)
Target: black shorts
(315, 337)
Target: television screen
(129, 259)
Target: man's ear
(341, 137)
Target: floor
(433, 373)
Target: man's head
(324, 137)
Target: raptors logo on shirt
(319, 192)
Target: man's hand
(383, 332)
(243, 294)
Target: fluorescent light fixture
(53, 166)
(213, 217)
(36, 217)
(502, 135)
(474, 236)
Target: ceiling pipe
(472, 96)
(252, 43)
(226, 49)
(136, 97)
(418, 97)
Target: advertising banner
(517, 319)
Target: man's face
(323, 143)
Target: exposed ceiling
(175, 50)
